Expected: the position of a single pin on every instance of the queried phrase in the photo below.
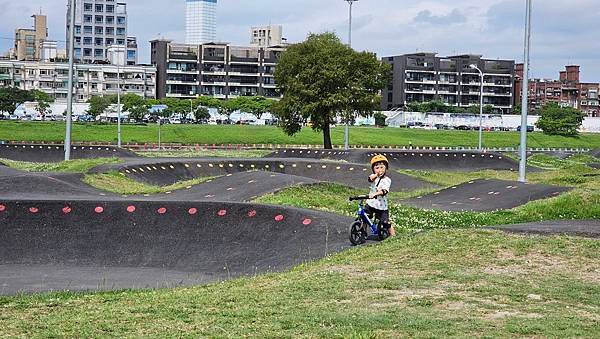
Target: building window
(110, 31)
(120, 31)
(99, 53)
(99, 30)
(87, 41)
(87, 29)
(110, 8)
(87, 18)
(87, 7)
(99, 8)
(110, 20)
(99, 19)
(99, 42)
(121, 20)
(77, 29)
(87, 52)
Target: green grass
(118, 183)
(460, 283)
(70, 166)
(205, 153)
(236, 134)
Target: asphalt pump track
(59, 233)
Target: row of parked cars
(421, 125)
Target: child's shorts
(382, 215)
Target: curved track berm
(168, 171)
(107, 245)
(56, 153)
(441, 160)
(485, 195)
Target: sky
(563, 32)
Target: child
(380, 187)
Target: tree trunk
(327, 137)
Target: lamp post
(118, 104)
(525, 101)
(479, 147)
(347, 127)
(70, 82)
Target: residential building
(567, 91)
(214, 69)
(90, 79)
(28, 41)
(200, 21)
(265, 36)
(423, 77)
(100, 24)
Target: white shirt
(380, 202)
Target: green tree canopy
(557, 120)
(135, 105)
(11, 97)
(321, 78)
(99, 104)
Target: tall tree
(99, 104)
(11, 97)
(322, 78)
(557, 120)
(135, 105)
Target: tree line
(137, 106)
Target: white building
(266, 36)
(89, 80)
(200, 21)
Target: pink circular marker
(252, 214)
(131, 209)
(67, 210)
(222, 213)
(2, 208)
(162, 210)
(306, 222)
(99, 209)
(34, 209)
(279, 218)
(192, 211)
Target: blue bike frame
(362, 215)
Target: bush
(556, 120)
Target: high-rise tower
(200, 21)
(100, 24)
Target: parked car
(529, 128)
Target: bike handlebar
(360, 197)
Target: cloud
(454, 17)
(563, 31)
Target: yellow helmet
(380, 158)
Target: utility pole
(70, 82)
(119, 101)
(525, 101)
(347, 127)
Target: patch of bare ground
(512, 265)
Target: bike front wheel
(382, 232)
(357, 234)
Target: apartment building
(265, 36)
(214, 69)
(90, 79)
(422, 77)
(28, 41)
(98, 25)
(568, 91)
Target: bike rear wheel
(357, 234)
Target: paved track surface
(584, 228)
(105, 245)
(412, 159)
(55, 153)
(485, 195)
(59, 233)
(169, 171)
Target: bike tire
(382, 232)
(357, 234)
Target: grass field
(441, 277)
(235, 134)
(459, 283)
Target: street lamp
(347, 128)
(525, 102)
(473, 66)
(70, 83)
(118, 103)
